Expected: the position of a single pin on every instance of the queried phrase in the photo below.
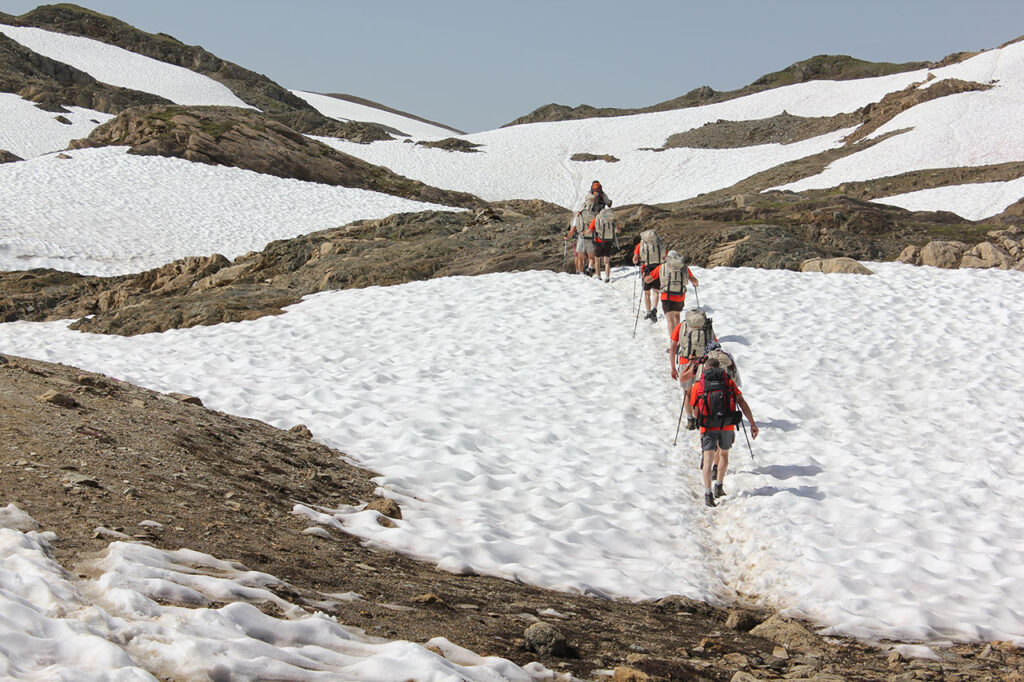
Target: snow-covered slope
(106, 212)
(883, 502)
(116, 66)
(533, 161)
(27, 131)
(345, 110)
(126, 624)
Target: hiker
(715, 398)
(604, 242)
(648, 254)
(673, 274)
(691, 341)
(579, 255)
(592, 204)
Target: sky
(478, 65)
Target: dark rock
(184, 398)
(7, 157)
(547, 640)
(386, 507)
(302, 431)
(451, 144)
(583, 156)
(56, 398)
(789, 634)
(742, 620)
(63, 119)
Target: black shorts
(656, 284)
(673, 306)
(603, 249)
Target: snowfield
(107, 212)
(27, 131)
(883, 501)
(118, 625)
(115, 66)
(344, 110)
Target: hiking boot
(654, 315)
(719, 490)
(709, 500)
(691, 423)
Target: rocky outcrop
(7, 157)
(1004, 250)
(784, 128)
(834, 266)
(244, 138)
(585, 156)
(451, 144)
(52, 85)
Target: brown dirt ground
(226, 486)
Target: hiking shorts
(713, 440)
(673, 306)
(655, 284)
(585, 246)
(603, 249)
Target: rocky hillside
(772, 230)
(53, 85)
(276, 102)
(821, 67)
(245, 138)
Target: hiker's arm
(687, 374)
(693, 280)
(672, 358)
(742, 402)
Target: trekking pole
(680, 422)
(744, 425)
(696, 295)
(637, 320)
(634, 285)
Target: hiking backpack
(715, 406)
(652, 250)
(604, 227)
(673, 277)
(727, 363)
(695, 334)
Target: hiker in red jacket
(715, 399)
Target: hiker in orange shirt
(715, 399)
(649, 254)
(673, 274)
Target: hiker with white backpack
(673, 274)
(584, 223)
(690, 340)
(604, 242)
(649, 254)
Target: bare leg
(707, 457)
(723, 463)
(607, 267)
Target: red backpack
(715, 407)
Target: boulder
(787, 633)
(57, 398)
(386, 507)
(910, 255)
(547, 640)
(987, 255)
(302, 431)
(626, 674)
(942, 254)
(834, 266)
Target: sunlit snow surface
(116, 66)
(344, 110)
(528, 436)
(27, 131)
(106, 212)
(151, 613)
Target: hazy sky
(476, 64)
